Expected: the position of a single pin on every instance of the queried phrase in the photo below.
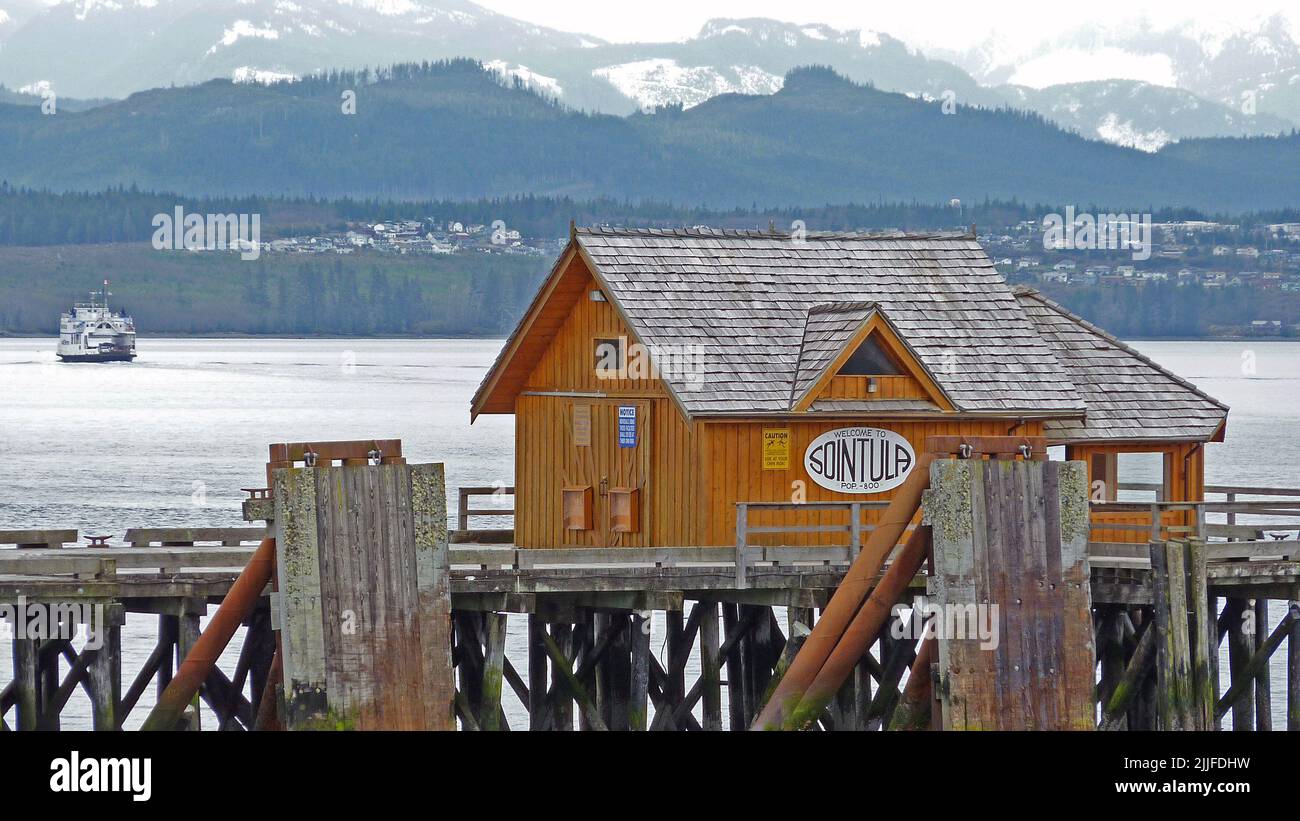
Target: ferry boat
(90, 332)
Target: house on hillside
(660, 378)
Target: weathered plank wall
(364, 601)
(1014, 534)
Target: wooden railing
(165, 551)
(38, 538)
(464, 533)
(746, 530)
(1234, 528)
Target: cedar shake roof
(744, 296)
(827, 330)
(1129, 397)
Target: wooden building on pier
(661, 378)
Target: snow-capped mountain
(1136, 85)
(1249, 65)
(1139, 115)
(750, 56)
(88, 48)
(14, 13)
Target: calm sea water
(170, 439)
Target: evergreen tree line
(33, 217)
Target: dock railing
(166, 551)
(746, 530)
(1233, 527)
(465, 533)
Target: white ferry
(90, 332)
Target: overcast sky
(933, 23)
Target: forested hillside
(41, 217)
(208, 293)
(453, 131)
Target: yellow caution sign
(776, 448)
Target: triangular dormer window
(871, 359)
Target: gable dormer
(853, 358)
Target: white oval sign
(859, 460)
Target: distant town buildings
(416, 236)
(1190, 254)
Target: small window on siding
(610, 357)
(870, 359)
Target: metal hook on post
(309, 458)
(965, 451)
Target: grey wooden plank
(298, 567)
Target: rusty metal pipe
(268, 709)
(235, 607)
(861, 632)
(848, 597)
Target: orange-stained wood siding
(1184, 481)
(569, 364)
(732, 467)
(565, 289)
(663, 465)
(887, 387)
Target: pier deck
(588, 612)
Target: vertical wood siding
(663, 465)
(732, 464)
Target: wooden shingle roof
(1129, 397)
(744, 296)
(827, 329)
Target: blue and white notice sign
(627, 426)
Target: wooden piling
(560, 640)
(1240, 647)
(1243, 682)
(538, 719)
(47, 674)
(491, 717)
(710, 667)
(1263, 687)
(167, 629)
(1181, 682)
(639, 674)
(1131, 684)
(1204, 638)
(364, 595)
(1165, 711)
(26, 696)
(1110, 652)
(576, 689)
(1293, 666)
(188, 631)
(105, 670)
(675, 687)
(618, 662)
(735, 670)
(1215, 643)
